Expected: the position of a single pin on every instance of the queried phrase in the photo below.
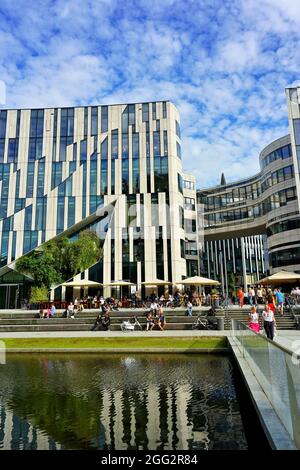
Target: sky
(224, 63)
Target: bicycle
(205, 323)
(128, 325)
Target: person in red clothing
(241, 297)
(270, 300)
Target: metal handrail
(283, 348)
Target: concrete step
(86, 320)
(74, 327)
(93, 313)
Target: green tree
(41, 266)
(84, 252)
(38, 294)
(60, 259)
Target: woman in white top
(269, 321)
(254, 320)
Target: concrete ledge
(276, 433)
(116, 334)
(121, 350)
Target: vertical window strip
(84, 175)
(165, 143)
(3, 119)
(94, 126)
(71, 211)
(60, 215)
(164, 109)
(104, 118)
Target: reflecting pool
(120, 401)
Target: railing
(278, 372)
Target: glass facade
(254, 204)
(278, 154)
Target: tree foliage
(38, 294)
(60, 259)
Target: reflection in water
(119, 402)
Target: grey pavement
(290, 339)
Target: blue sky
(224, 63)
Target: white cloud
(225, 64)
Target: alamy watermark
(296, 352)
(2, 353)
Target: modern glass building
(115, 170)
(252, 226)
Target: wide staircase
(287, 322)
(176, 319)
(24, 321)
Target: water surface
(120, 401)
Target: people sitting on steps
(102, 322)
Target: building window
(131, 114)
(178, 149)
(36, 123)
(165, 143)
(40, 213)
(30, 180)
(94, 129)
(71, 211)
(156, 143)
(13, 150)
(191, 248)
(188, 184)
(181, 217)
(2, 148)
(178, 133)
(125, 176)
(190, 225)
(104, 149)
(114, 144)
(93, 177)
(161, 178)
(56, 176)
(103, 178)
(83, 150)
(154, 111)
(145, 112)
(125, 146)
(60, 214)
(67, 122)
(182, 248)
(85, 130)
(3, 117)
(41, 177)
(104, 118)
(189, 203)
(180, 183)
(164, 109)
(135, 145)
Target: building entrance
(9, 295)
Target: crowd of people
(268, 320)
(273, 301)
(261, 296)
